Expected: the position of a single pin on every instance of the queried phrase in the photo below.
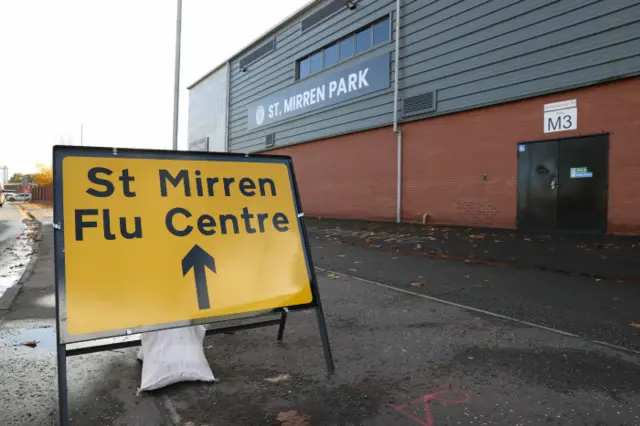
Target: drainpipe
(397, 131)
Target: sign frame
(68, 345)
(62, 152)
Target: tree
(44, 176)
(16, 178)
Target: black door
(537, 185)
(562, 185)
(582, 194)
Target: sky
(109, 64)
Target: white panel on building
(208, 112)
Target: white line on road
(482, 311)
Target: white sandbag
(172, 356)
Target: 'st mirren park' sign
(330, 87)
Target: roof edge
(258, 40)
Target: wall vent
(270, 140)
(419, 104)
(261, 51)
(315, 18)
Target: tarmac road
(401, 359)
(598, 309)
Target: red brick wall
(351, 176)
(445, 159)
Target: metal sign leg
(63, 403)
(324, 337)
(283, 322)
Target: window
(381, 33)
(363, 40)
(331, 56)
(305, 68)
(346, 48)
(355, 43)
(316, 62)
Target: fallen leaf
(278, 378)
(31, 343)
(416, 284)
(547, 307)
(291, 418)
(334, 276)
(368, 240)
(418, 246)
(635, 325)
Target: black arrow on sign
(198, 259)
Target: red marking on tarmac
(426, 401)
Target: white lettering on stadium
(333, 89)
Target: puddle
(46, 338)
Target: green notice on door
(580, 173)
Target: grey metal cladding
(320, 15)
(497, 51)
(261, 51)
(419, 104)
(474, 53)
(277, 72)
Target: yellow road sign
(154, 239)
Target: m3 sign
(561, 116)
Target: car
(19, 197)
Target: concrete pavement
(401, 359)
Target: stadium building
(497, 113)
